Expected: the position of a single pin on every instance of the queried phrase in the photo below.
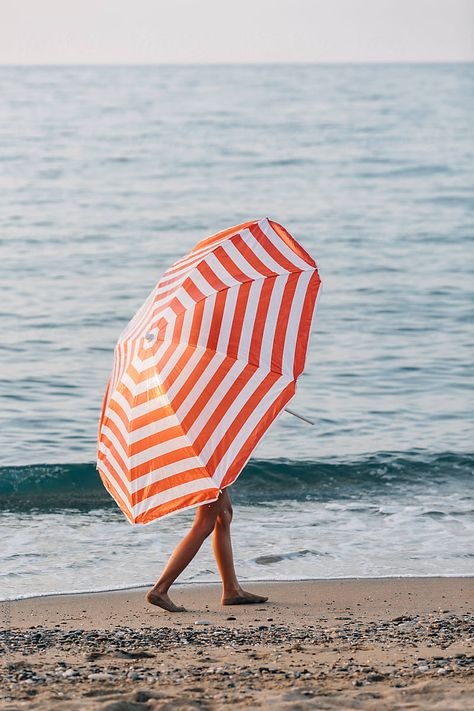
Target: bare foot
(162, 600)
(244, 598)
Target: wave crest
(78, 486)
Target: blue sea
(109, 174)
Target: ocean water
(109, 174)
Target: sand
(341, 644)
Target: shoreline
(380, 643)
(253, 581)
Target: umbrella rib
(227, 288)
(236, 360)
(191, 446)
(237, 285)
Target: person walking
(210, 518)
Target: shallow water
(109, 174)
(378, 515)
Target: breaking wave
(78, 486)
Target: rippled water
(109, 174)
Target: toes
(245, 599)
(164, 603)
(257, 598)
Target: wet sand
(340, 644)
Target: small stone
(202, 622)
(70, 672)
(100, 676)
(375, 677)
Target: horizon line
(377, 62)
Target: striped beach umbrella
(204, 367)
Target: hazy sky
(176, 31)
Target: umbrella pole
(300, 417)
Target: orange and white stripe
(203, 369)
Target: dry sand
(361, 644)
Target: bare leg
(232, 593)
(182, 555)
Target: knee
(204, 526)
(225, 516)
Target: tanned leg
(182, 555)
(232, 593)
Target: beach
(366, 644)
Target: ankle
(160, 589)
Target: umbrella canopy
(203, 369)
